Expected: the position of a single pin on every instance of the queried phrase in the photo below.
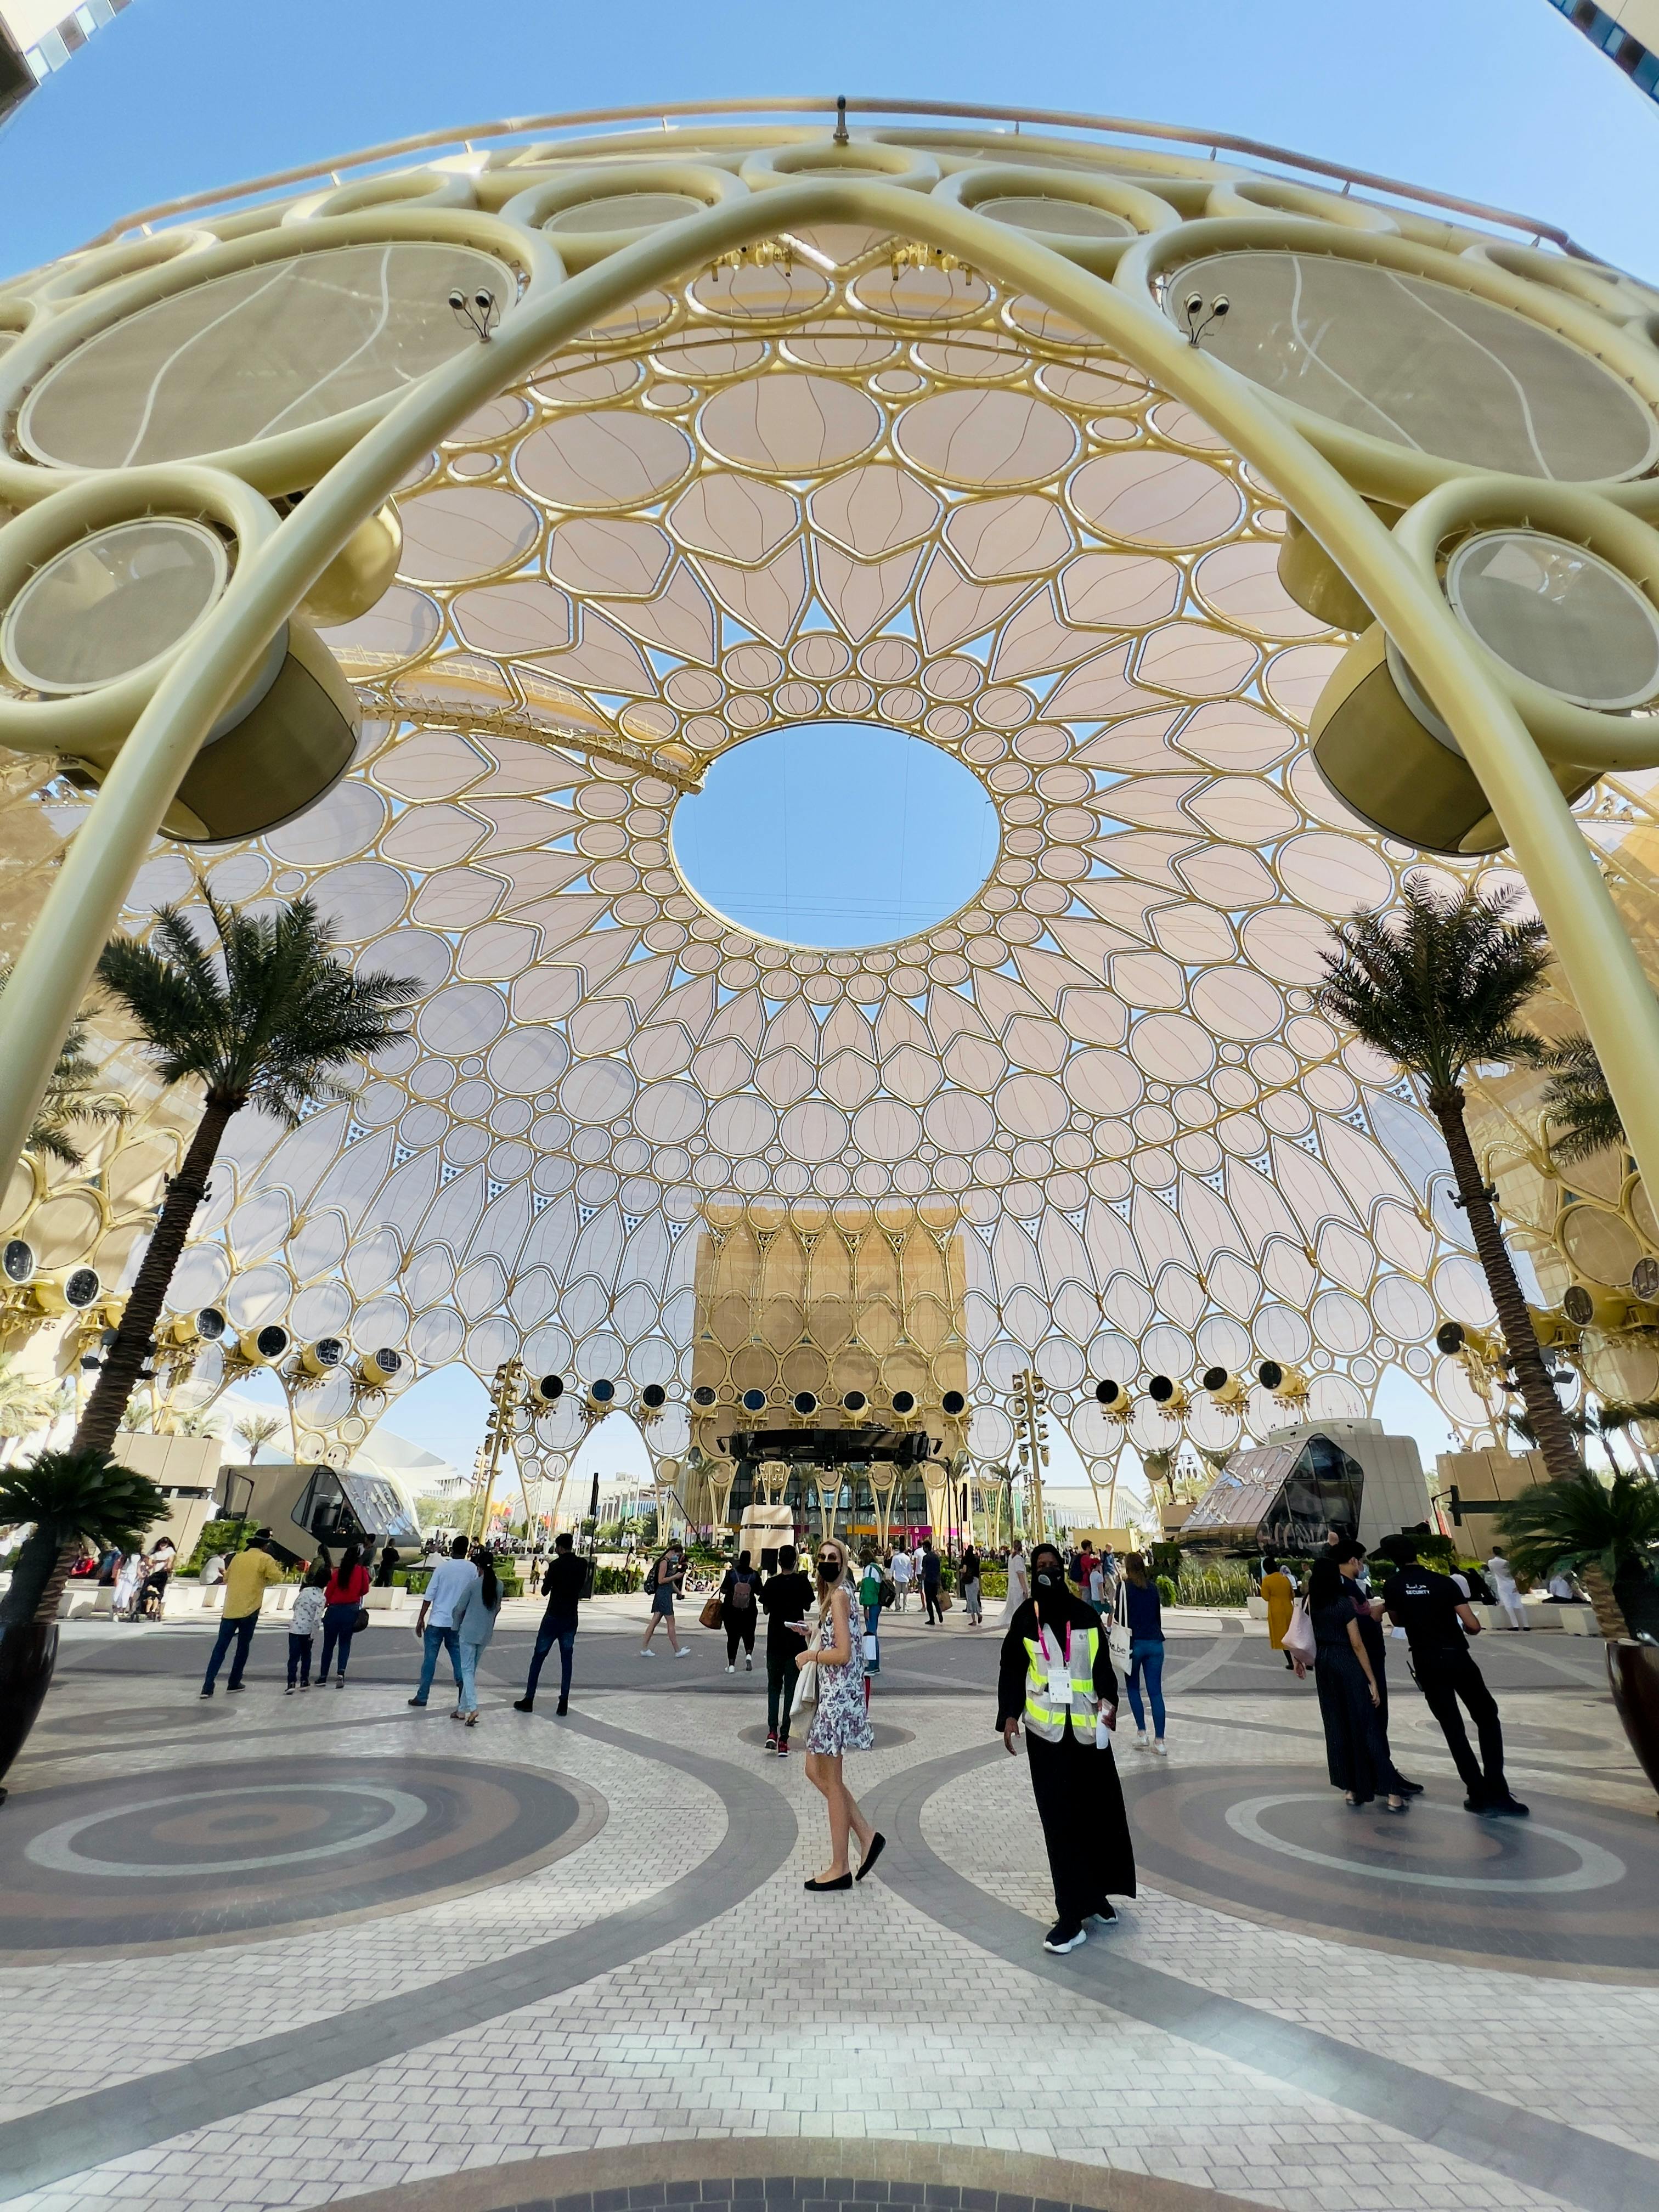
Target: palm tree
(266, 1021)
(256, 1432)
(74, 1094)
(25, 1403)
(1601, 1530)
(1583, 1118)
(1159, 1467)
(70, 1497)
(1437, 987)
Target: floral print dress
(841, 1721)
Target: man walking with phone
(784, 1598)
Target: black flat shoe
(839, 1881)
(1408, 1788)
(523, 1705)
(877, 1845)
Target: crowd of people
(1070, 1622)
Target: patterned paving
(1308, 2038)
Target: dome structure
(839, 467)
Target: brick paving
(782, 2016)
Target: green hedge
(1166, 1590)
(226, 1536)
(617, 1582)
(1221, 1582)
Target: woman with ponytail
(841, 1721)
(474, 1624)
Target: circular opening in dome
(836, 834)
(1559, 615)
(624, 211)
(112, 603)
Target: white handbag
(806, 1690)
(1117, 1638)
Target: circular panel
(1558, 615)
(836, 834)
(261, 352)
(611, 460)
(115, 601)
(1420, 364)
(986, 437)
(623, 211)
(1601, 1246)
(463, 531)
(1156, 498)
(791, 425)
(1054, 218)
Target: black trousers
(1079, 1801)
(930, 1604)
(1443, 1677)
(739, 1629)
(782, 1675)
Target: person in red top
(340, 1598)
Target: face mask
(1045, 1580)
(829, 1571)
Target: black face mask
(1044, 1579)
(829, 1571)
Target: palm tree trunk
(1610, 1620)
(1549, 1423)
(118, 1375)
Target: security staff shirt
(1424, 1604)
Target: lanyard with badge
(1059, 1672)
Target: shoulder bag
(1299, 1638)
(1117, 1637)
(710, 1615)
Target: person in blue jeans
(1144, 1616)
(451, 1581)
(562, 1586)
(476, 1613)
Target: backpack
(651, 1573)
(870, 1587)
(742, 1595)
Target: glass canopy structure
(830, 471)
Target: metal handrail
(1216, 142)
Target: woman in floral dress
(840, 1722)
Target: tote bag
(1299, 1638)
(1117, 1638)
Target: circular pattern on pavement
(215, 1852)
(115, 1721)
(1577, 1883)
(888, 1737)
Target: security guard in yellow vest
(1056, 1679)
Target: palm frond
(1436, 985)
(1583, 1118)
(1582, 1522)
(75, 1095)
(84, 1493)
(269, 1019)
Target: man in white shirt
(901, 1577)
(1501, 1576)
(436, 1627)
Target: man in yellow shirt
(246, 1579)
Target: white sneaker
(1141, 1743)
(1161, 1748)
(648, 1655)
(732, 1670)
(684, 1652)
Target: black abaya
(1079, 1798)
(1357, 1755)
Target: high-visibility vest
(1046, 1717)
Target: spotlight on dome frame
(1109, 1394)
(904, 1401)
(654, 1397)
(17, 1261)
(754, 1401)
(953, 1405)
(805, 1403)
(323, 1356)
(1215, 1378)
(550, 1388)
(264, 1347)
(1451, 1337)
(379, 1367)
(1270, 1375)
(67, 1290)
(855, 1401)
(704, 1394)
(604, 1392)
(1160, 1389)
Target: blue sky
(1498, 100)
(1501, 99)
